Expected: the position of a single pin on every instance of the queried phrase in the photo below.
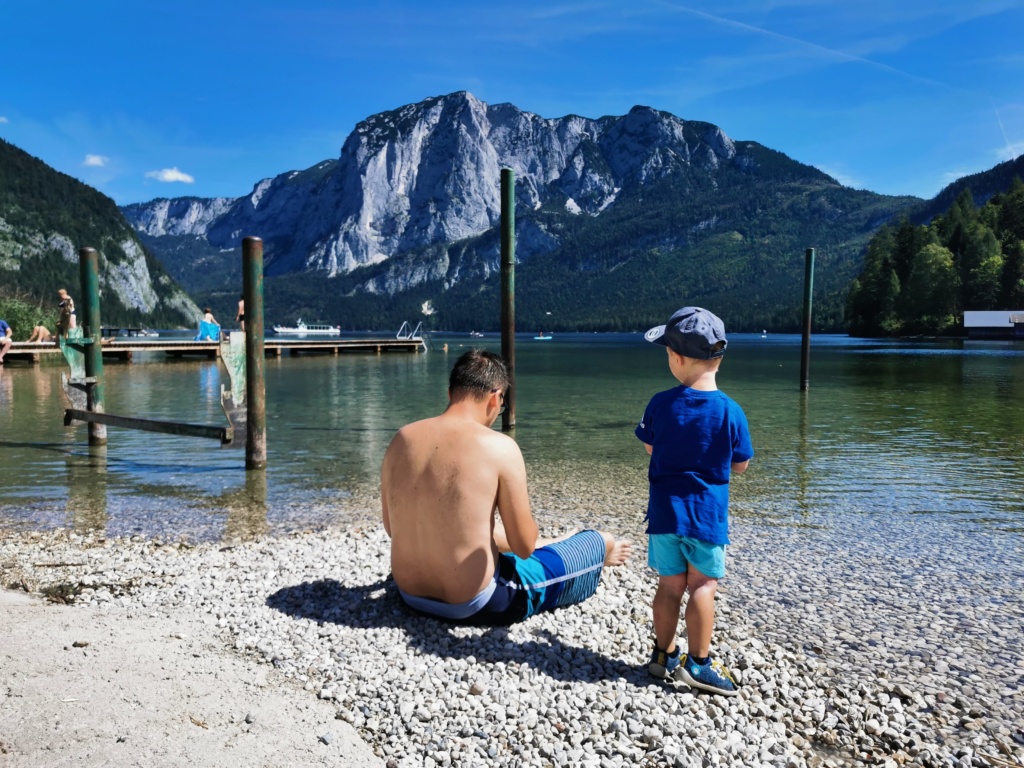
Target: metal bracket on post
(232, 397)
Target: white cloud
(170, 174)
(96, 161)
(955, 175)
(843, 178)
(1011, 151)
(4, 119)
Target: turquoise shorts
(670, 555)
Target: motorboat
(543, 337)
(308, 329)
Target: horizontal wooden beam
(223, 434)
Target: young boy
(696, 436)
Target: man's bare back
(441, 481)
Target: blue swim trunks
(670, 554)
(560, 574)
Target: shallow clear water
(929, 428)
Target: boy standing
(696, 436)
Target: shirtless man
(442, 480)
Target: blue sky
(145, 100)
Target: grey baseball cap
(691, 332)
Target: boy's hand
(741, 467)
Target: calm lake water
(930, 428)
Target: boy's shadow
(372, 606)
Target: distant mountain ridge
(406, 218)
(46, 217)
(983, 186)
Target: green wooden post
(508, 292)
(89, 274)
(805, 349)
(255, 386)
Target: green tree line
(921, 279)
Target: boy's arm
(740, 467)
(649, 448)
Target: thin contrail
(1010, 153)
(831, 52)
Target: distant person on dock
(6, 339)
(696, 436)
(66, 320)
(240, 315)
(442, 480)
(209, 328)
(40, 334)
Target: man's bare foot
(617, 551)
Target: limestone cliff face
(428, 174)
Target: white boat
(543, 337)
(476, 334)
(310, 329)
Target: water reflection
(246, 508)
(86, 483)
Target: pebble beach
(858, 639)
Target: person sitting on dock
(40, 334)
(442, 479)
(209, 328)
(6, 339)
(240, 315)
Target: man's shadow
(376, 605)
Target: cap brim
(657, 335)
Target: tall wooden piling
(89, 277)
(255, 385)
(508, 292)
(805, 348)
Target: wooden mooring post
(255, 386)
(89, 277)
(508, 292)
(805, 347)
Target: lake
(887, 428)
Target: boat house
(995, 324)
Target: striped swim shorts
(556, 575)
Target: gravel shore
(859, 640)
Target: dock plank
(124, 347)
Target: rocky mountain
(405, 223)
(46, 216)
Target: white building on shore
(995, 324)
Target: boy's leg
(666, 608)
(700, 613)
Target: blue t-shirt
(696, 436)
(4, 328)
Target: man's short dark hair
(478, 373)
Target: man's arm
(520, 529)
(384, 494)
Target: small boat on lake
(543, 337)
(476, 334)
(310, 329)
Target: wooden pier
(122, 348)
